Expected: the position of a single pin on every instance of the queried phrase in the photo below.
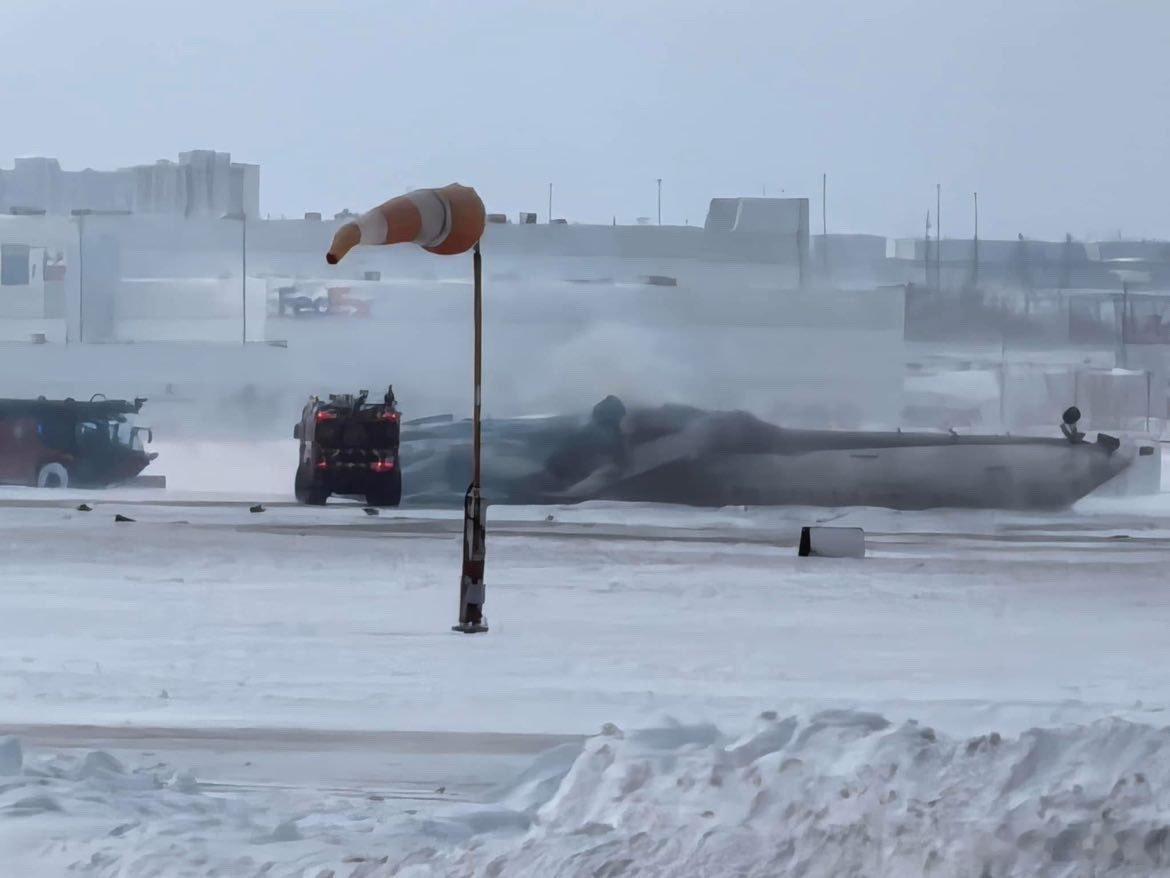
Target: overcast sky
(1056, 111)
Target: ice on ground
(831, 793)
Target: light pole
(659, 201)
(242, 218)
(550, 204)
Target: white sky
(1056, 111)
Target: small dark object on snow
(119, 517)
(370, 510)
(85, 507)
(259, 507)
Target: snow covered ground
(206, 690)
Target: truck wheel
(53, 475)
(388, 491)
(307, 491)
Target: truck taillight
(388, 416)
(326, 416)
(382, 466)
(322, 464)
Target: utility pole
(659, 201)
(550, 204)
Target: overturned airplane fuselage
(676, 454)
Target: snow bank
(837, 793)
(848, 793)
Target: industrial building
(203, 183)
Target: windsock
(444, 221)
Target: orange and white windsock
(444, 221)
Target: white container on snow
(832, 542)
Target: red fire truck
(64, 443)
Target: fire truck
(64, 443)
(349, 447)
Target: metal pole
(244, 272)
(659, 201)
(471, 585)
(550, 203)
(81, 279)
(477, 268)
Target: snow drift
(834, 794)
(847, 793)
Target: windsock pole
(471, 584)
(444, 221)
(477, 410)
